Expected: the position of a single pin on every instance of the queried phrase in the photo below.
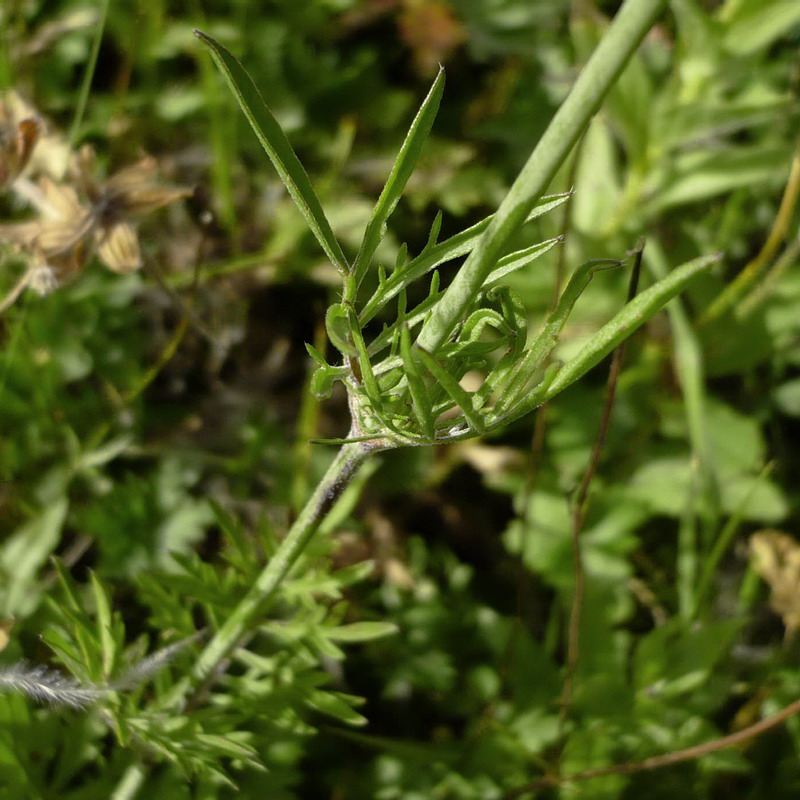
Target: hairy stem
(256, 601)
(625, 33)
(341, 471)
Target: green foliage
(155, 426)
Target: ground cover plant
(277, 517)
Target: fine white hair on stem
(148, 666)
(52, 688)
(48, 686)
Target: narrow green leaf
(401, 172)
(516, 317)
(224, 745)
(433, 255)
(337, 325)
(436, 228)
(400, 261)
(547, 338)
(325, 375)
(65, 650)
(103, 611)
(354, 573)
(460, 396)
(316, 355)
(420, 399)
(635, 314)
(337, 705)
(697, 175)
(361, 631)
(22, 555)
(367, 375)
(755, 24)
(278, 148)
(371, 437)
(322, 382)
(520, 258)
(70, 598)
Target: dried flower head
(130, 193)
(27, 143)
(70, 229)
(18, 137)
(776, 558)
(58, 238)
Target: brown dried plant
(77, 216)
(775, 556)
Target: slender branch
(579, 506)
(88, 75)
(624, 34)
(748, 277)
(667, 759)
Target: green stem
(624, 34)
(255, 602)
(329, 490)
(88, 75)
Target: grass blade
(278, 148)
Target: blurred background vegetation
(155, 421)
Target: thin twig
(579, 506)
(540, 420)
(88, 75)
(186, 309)
(667, 759)
(747, 278)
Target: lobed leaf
(458, 245)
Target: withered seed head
(69, 230)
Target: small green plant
(403, 357)
(404, 384)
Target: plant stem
(88, 75)
(581, 501)
(341, 471)
(624, 34)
